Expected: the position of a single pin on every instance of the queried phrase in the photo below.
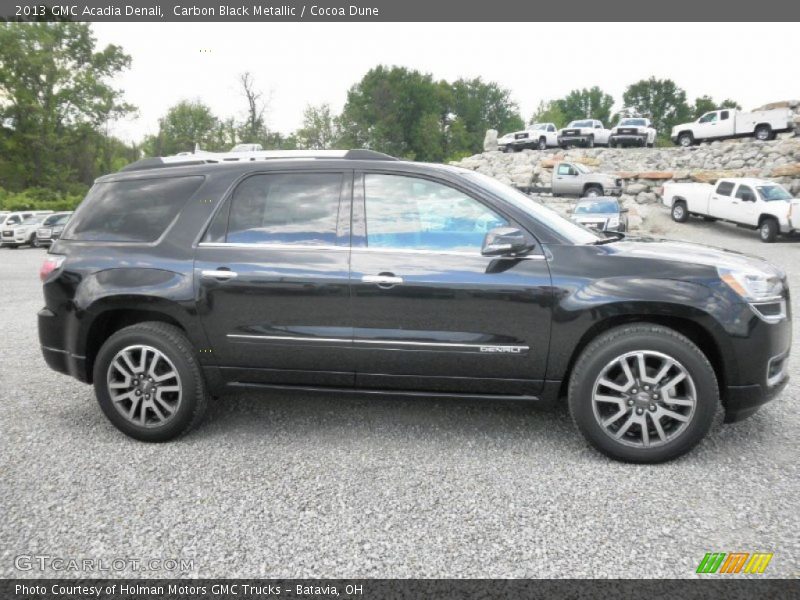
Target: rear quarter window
(139, 210)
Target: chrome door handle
(219, 274)
(382, 279)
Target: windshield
(581, 124)
(539, 126)
(56, 220)
(582, 168)
(573, 232)
(596, 207)
(32, 221)
(769, 193)
(641, 122)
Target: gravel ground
(294, 485)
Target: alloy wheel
(644, 399)
(144, 385)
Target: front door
(429, 311)
(272, 282)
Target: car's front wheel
(149, 383)
(768, 230)
(643, 393)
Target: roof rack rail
(185, 159)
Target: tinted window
(285, 208)
(723, 115)
(725, 188)
(131, 211)
(744, 191)
(412, 213)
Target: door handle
(218, 274)
(383, 280)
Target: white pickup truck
(539, 135)
(730, 123)
(585, 132)
(754, 203)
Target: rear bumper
(57, 358)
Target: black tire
(36, 243)
(768, 230)
(590, 142)
(508, 149)
(593, 191)
(542, 145)
(685, 139)
(763, 133)
(173, 344)
(680, 214)
(643, 337)
(651, 145)
(612, 143)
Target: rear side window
(283, 208)
(725, 188)
(131, 211)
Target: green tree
(319, 130)
(586, 103)
(478, 105)
(55, 97)
(549, 112)
(704, 104)
(187, 124)
(660, 99)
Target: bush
(43, 198)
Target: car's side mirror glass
(505, 241)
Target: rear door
(429, 311)
(271, 277)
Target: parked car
(21, 234)
(575, 179)
(730, 123)
(633, 131)
(51, 229)
(586, 132)
(247, 148)
(363, 273)
(603, 213)
(755, 203)
(539, 136)
(14, 218)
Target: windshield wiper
(613, 236)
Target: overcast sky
(311, 63)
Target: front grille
(572, 132)
(8, 234)
(628, 131)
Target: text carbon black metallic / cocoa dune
(186, 277)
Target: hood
(690, 252)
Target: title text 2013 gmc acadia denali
(183, 277)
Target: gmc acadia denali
(181, 278)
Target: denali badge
(504, 349)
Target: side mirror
(504, 241)
(624, 210)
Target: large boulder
(490, 140)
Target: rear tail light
(50, 264)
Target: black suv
(185, 277)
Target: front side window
(744, 191)
(725, 188)
(708, 118)
(566, 170)
(409, 213)
(285, 208)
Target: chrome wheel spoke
(632, 405)
(134, 381)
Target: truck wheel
(651, 145)
(686, 139)
(590, 142)
(542, 144)
(763, 133)
(643, 393)
(593, 192)
(680, 214)
(612, 143)
(768, 230)
(508, 149)
(148, 382)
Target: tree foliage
(660, 99)
(586, 103)
(56, 99)
(320, 129)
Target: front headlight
(753, 285)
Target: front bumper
(639, 139)
(571, 140)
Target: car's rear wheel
(36, 243)
(763, 133)
(768, 230)
(542, 144)
(685, 139)
(680, 213)
(643, 393)
(148, 382)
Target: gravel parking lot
(295, 485)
